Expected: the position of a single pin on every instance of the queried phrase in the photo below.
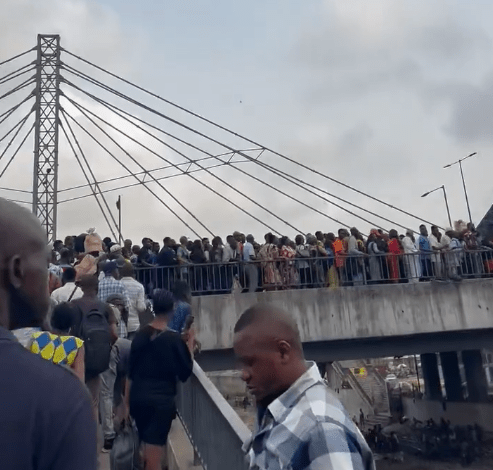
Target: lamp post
(446, 201)
(463, 181)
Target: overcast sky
(379, 95)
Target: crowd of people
(431, 440)
(319, 260)
(69, 360)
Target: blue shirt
(424, 247)
(182, 310)
(46, 413)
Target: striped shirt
(136, 295)
(307, 428)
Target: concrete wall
(356, 312)
(457, 413)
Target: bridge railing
(295, 273)
(212, 425)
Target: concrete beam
(339, 350)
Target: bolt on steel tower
(45, 184)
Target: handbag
(124, 454)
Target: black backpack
(95, 332)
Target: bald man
(45, 414)
(300, 424)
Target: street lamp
(463, 182)
(446, 202)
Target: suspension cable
(113, 108)
(227, 163)
(18, 55)
(12, 110)
(16, 190)
(18, 148)
(24, 84)
(161, 168)
(21, 122)
(87, 176)
(233, 133)
(195, 179)
(130, 172)
(130, 185)
(11, 75)
(80, 108)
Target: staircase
(375, 388)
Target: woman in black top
(158, 358)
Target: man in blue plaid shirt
(109, 285)
(300, 424)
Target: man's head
(68, 275)
(183, 240)
(116, 249)
(435, 231)
(127, 270)
(250, 238)
(24, 258)
(299, 239)
(268, 346)
(69, 242)
(423, 231)
(127, 244)
(89, 285)
(146, 242)
(110, 268)
(354, 232)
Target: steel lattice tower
(45, 184)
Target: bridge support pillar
(451, 375)
(477, 386)
(429, 369)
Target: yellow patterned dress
(54, 348)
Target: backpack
(95, 332)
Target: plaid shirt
(136, 294)
(108, 286)
(307, 428)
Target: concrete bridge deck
(362, 321)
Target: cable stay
(96, 186)
(12, 75)
(18, 148)
(228, 131)
(139, 173)
(21, 122)
(79, 107)
(119, 112)
(129, 171)
(19, 87)
(17, 56)
(226, 163)
(206, 170)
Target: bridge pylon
(45, 183)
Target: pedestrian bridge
(361, 321)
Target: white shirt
(62, 294)
(137, 302)
(228, 253)
(248, 252)
(408, 245)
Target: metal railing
(212, 425)
(296, 273)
